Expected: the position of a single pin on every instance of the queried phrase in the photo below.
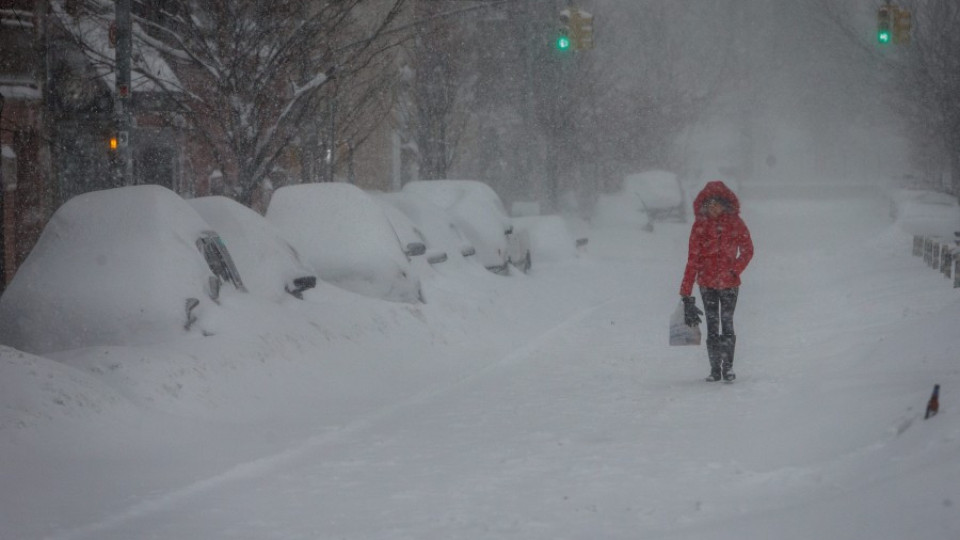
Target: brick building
(25, 205)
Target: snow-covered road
(590, 427)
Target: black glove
(691, 313)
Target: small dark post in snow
(933, 406)
(956, 260)
(946, 260)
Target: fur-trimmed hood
(715, 189)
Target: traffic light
(576, 30)
(883, 25)
(114, 142)
(901, 26)
(563, 42)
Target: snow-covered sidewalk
(545, 407)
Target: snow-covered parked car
(412, 241)
(659, 193)
(343, 235)
(127, 266)
(438, 227)
(549, 238)
(270, 265)
(481, 216)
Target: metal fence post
(956, 273)
(946, 260)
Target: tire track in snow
(268, 464)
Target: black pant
(718, 307)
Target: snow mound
(926, 213)
(38, 390)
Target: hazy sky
(796, 87)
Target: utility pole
(3, 187)
(123, 95)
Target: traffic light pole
(558, 144)
(123, 94)
(575, 35)
(3, 251)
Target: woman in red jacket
(720, 249)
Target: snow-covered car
(659, 193)
(343, 236)
(549, 238)
(270, 265)
(412, 241)
(438, 227)
(127, 266)
(481, 216)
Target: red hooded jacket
(720, 247)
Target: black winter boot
(728, 345)
(714, 354)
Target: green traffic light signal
(563, 43)
(883, 25)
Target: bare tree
(248, 74)
(670, 67)
(432, 100)
(362, 110)
(929, 76)
(923, 73)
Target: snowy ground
(545, 406)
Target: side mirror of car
(415, 249)
(301, 284)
